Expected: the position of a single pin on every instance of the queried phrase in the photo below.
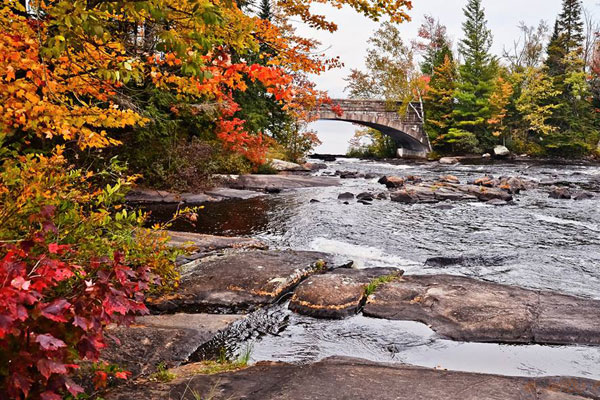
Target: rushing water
(539, 243)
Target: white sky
(350, 42)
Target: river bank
(441, 283)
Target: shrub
(457, 141)
(72, 260)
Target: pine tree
(265, 10)
(573, 116)
(477, 76)
(567, 37)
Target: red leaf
(49, 342)
(48, 367)
(50, 396)
(123, 375)
(21, 382)
(72, 387)
(54, 310)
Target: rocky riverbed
(393, 264)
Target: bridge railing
(379, 107)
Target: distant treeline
(541, 97)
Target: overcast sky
(350, 41)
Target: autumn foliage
(76, 81)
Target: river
(538, 243)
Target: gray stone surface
(352, 379)
(470, 310)
(167, 339)
(242, 281)
(282, 182)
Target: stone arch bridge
(406, 131)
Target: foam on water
(363, 256)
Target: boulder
(561, 193)
(366, 196)
(466, 309)
(346, 378)
(584, 196)
(392, 182)
(166, 339)
(448, 160)
(315, 166)
(280, 165)
(486, 156)
(501, 151)
(336, 295)
(240, 282)
(346, 196)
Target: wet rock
(487, 181)
(414, 194)
(449, 179)
(240, 282)
(486, 194)
(366, 196)
(448, 160)
(370, 175)
(470, 310)
(382, 196)
(466, 261)
(315, 166)
(392, 182)
(497, 203)
(233, 194)
(501, 151)
(282, 182)
(584, 196)
(561, 193)
(312, 201)
(148, 196)
(347, 378)
(346, 196)
(199, 245)
(350, 174)
(167, 339)
(335, 295)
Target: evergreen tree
(477, 76)
(265, 11)
(573, 116)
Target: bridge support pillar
(411, 154)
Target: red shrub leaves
(52, 313)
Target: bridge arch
(406, 131)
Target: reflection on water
(298, 339)
(226, 218)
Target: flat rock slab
(201, 245)
(282, 182)
(242, 281)
(168, 339)
(151, 196)
(470, 310)
(437, 192)
(351, 379)
(335, 295)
